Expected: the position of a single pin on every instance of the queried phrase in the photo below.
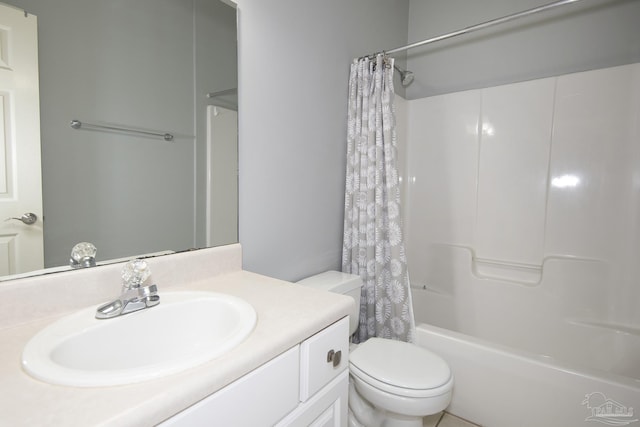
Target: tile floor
(444, 419)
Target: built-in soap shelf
(528, 274)
(520, 273)
(446, 266)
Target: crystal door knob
(29, 218)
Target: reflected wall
(133, 64)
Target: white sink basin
(183, 331)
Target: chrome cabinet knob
(29, 218)
(334, 357)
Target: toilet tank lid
(333, 281)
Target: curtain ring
(385, 59)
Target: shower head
(406, 76)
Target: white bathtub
(521, 221)
(498, 386)
(529, 354)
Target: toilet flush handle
(334, 357)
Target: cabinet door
(322, 357)
(329, 418)
(260, 398)
(327, 408)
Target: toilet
(391, 383)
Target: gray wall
(576, 37)
(129, 63)
(294, 58)
(294, 61)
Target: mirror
(147, 65)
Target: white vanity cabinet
(305, 386)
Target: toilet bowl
(392, 383)
(403, 381)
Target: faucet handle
(134, 274)
(83, 255)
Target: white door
(21, 244)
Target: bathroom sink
(186, 329)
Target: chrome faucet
(134, 296)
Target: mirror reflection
(159, 66)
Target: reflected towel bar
(77, 124)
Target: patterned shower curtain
(373, 245)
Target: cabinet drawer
(322, 357)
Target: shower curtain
(373, 245)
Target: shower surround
(522, 221)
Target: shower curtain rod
(476, 27)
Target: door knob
(29, 218)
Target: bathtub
(530, 355)
(521, 221)
(498, 386)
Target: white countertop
(287, 314)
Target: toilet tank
(340, 283)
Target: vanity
(291, 370)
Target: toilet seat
(400, 368)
